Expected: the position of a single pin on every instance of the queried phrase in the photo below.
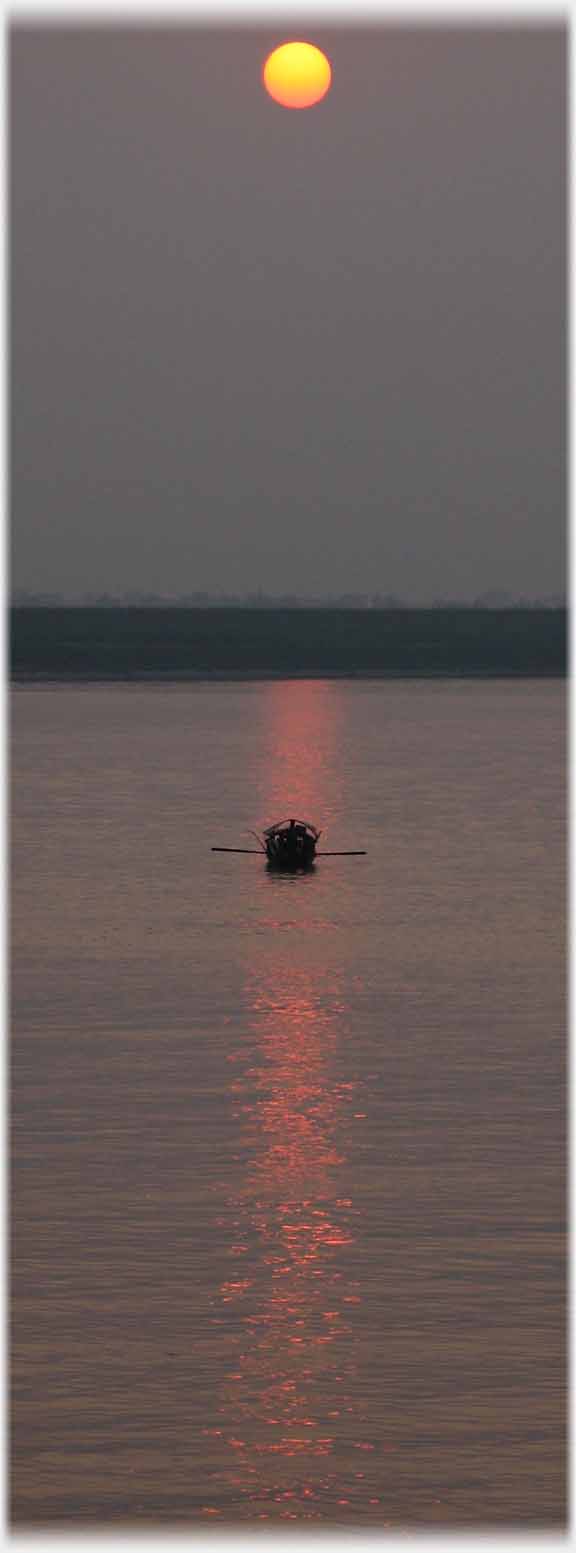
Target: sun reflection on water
(290, 1381)
(289, 1428)
(301, 775)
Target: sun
(297, 75)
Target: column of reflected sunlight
(301, 775)
(290, 1392)
(288, 1413)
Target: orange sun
(297, 75)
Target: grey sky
(316, 350)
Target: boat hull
(288, 859)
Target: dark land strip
(83, 644)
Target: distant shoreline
(240, 676)
(68, 645)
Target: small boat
(291, 844)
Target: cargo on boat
(291, 843)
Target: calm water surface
(288, 1152)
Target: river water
(288, 1169)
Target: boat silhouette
(290, 845)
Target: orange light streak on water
(302, 772)
(295, 1300)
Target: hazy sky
(315, 350)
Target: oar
(249, 851)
